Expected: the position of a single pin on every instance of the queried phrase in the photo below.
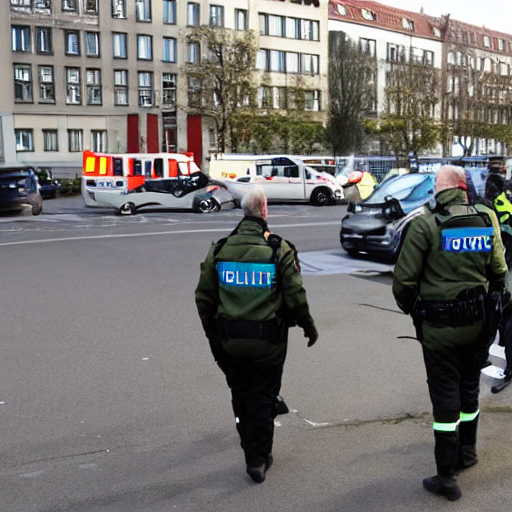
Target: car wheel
(127, 209)
(320, 197)
(208, 205)
(351, 252)
(37, 209)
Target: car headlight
(358, 208)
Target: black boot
(467, 441)
(446, 453)
(444, 486)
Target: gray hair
(255, 202)
(450, 176)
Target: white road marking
(156, 233)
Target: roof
(375, 14)
(382, 16)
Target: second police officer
(451, 257)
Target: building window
(216, 16)
(120, 87)
(487, 42)
(310, 30)
(24, 140)
(72, 42)
(292, 62)
(92, 44)
(20, 38)
(277, 61)
(75, 141)
(144, 48)
(309, 64)
(145, 89)
(50, 140)
(42, 5)
(143, 10)
(22, 4)
(193, 52)
(118, 8)
(262, 60)
(46, 85)
(192, 15)
(436, 31)
(44, 40)
(91, 6)
(240, 19)
(69, 5)
(194, 92)
(22, 83)
(293, 28)
(396, 52)
(407, 24)
(428, 58)
(93, 82)
(169, 90)
(273, 25)
(265, 99)
(312, 100)
(73, 86)
(169, 49)
(99, 141)
(368, 46)
(170, 11)
(368, 15)
(341, 10)
(119, 45)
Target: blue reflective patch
(467, 239)
(254, 275)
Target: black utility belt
(244, 329)
(455, 313)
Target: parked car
(377, 225)
(48, 185)
(19, 190)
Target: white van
(285, 178)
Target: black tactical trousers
(453, 377)
(506, 335)
(253, 391)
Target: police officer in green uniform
(452, 256)
(250, 291)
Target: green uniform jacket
(247, 303)
(425, 271)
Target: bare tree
(351, 92)
(222, 84)
(412, 92)
(477, 100)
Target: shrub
(70, 187)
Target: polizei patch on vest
(467, 239)
(253, 275)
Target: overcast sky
(495, 14)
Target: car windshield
(412, 190)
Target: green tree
(351, 93)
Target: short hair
(450, 176)
(254, 202)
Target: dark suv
(19, 190)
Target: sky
(494, 14)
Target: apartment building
(465, 56)
(105, 75)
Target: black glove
(311, 333)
